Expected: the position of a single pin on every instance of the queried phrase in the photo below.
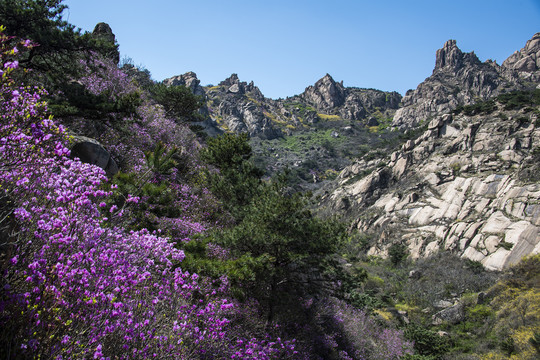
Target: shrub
(426, 342)
(398, 253)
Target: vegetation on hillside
(189, 252)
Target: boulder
(90, 151)
(453, 315)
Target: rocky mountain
(237, 106)
(315, 133)
(470, 182)
(462, 79)
(465, 180)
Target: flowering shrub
(103, 77)
(349, 333)
(75, 285)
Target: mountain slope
(469, 183)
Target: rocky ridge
(238, 106)
(462, 79)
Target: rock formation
(238, 106)
(462, 79)
(90, 151)
(326, 94)
(332, 98)
(527, 60)
(189, 80)
(104, 32)
(463, 185)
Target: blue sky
(286, 45)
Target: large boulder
(103, 32)
(90, 151)
(453, 315)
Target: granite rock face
(326, 94)
(468, 184)
(526, 60)
(462, 79)
(332, 98)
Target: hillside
(143, 219)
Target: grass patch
(328, 117)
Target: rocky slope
(469, 184)
(466, 181)
(315, 133)
(462, 79)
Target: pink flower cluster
(105, 78)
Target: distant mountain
(237, 106)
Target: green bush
(426, 342)
(482, 107)
(178, 101)
(519, 99)
(397, 253)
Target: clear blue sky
(286, 45)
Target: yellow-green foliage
(277, 120)
(407, 307)
(373, 129)
(330, 174)
(253, 100)
(221, 123)
(214, 88)
(328, 117)
(386, 315)
(373, 282)
(517, 310)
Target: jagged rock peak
(104, 31)
(231, 80)
(526, 59)
(188, 79)
(451, 57)
(326, 93)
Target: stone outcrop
(104, 32)
(332, 98)
(326, 94)
(90, 151)
(461, 186)
(189, 80)
(452, 315)
(526, 60)
(462, 79)
(238, 106)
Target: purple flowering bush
(74, 284)
(340, 331)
